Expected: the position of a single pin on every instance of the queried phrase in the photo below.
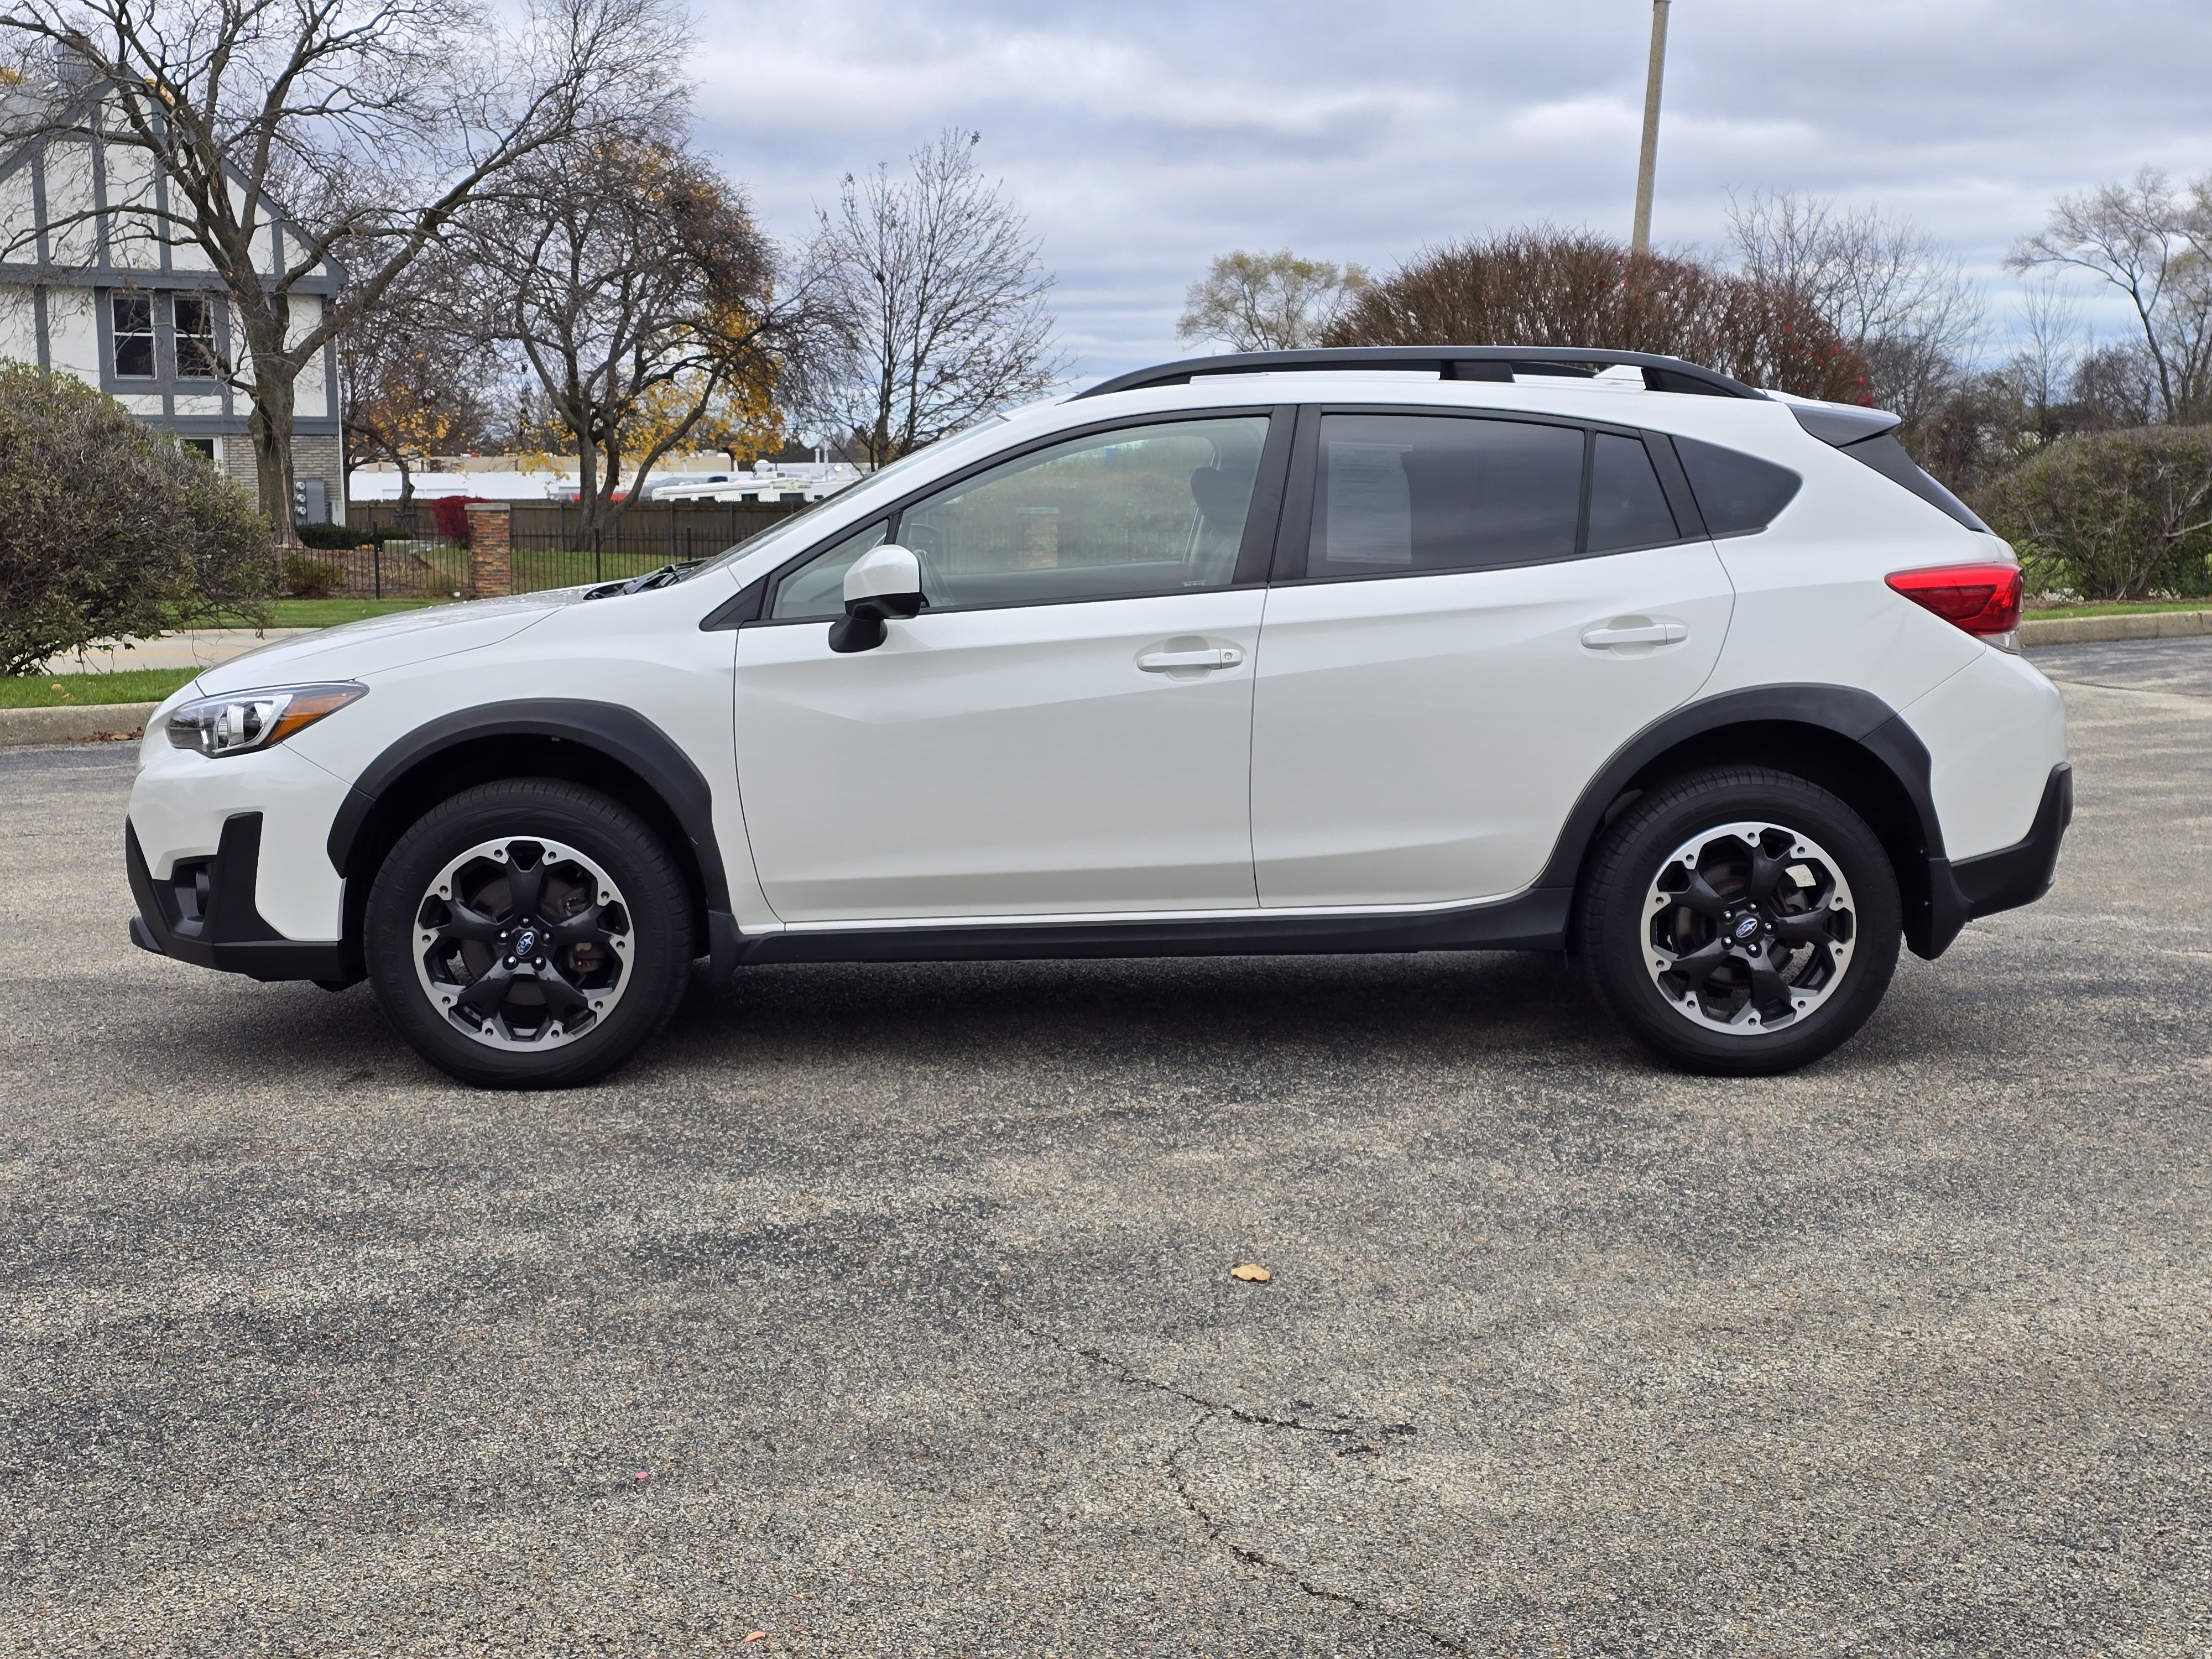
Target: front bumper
(2003, 880)
(204, 913)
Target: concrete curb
(2092, 631)
(74, 723)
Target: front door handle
(1634, 630)
(1166, 662)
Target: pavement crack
(1215, 1528)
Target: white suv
(1419, 649)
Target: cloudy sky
(1142, 137)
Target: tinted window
(816, 588)
(1889, 457)
(1146, 509)
(1738, 494)
(1627, 506)
(1398, 494)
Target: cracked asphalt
(885, 1310)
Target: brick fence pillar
(491, 559)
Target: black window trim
(1292, 544)
(750, 608)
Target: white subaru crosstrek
(1418, 649)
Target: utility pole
(1641, 241)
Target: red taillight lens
(1982, 599)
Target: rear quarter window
(1738, 494)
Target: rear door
(1471, 614)
(1064, 729)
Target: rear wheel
(529, 934)
(1740, 922)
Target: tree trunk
(406, 480)
(270, 428)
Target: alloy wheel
(523, 945)
(1748, 928)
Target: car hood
(385, 642)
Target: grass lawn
(64, 690)
(329, 613)
(2136, 608)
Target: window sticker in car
(1371, 506)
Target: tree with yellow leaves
(628, 275)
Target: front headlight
(248, 721)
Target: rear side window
(1399, 495)
(1738, 494)
(1627, 506)
(1889, 457)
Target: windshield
(796, 529)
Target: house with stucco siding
(114, 297)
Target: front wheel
(528, 933)
(1740, 922)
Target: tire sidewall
(597, 826)
(1614, 917)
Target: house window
(199, 446)
(195, 320)
(133, 316)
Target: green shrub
(107, 529)
(2111, 515)
(334, 538)
(311, 579)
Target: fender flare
(617, 734)
(1935, 911)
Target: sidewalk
(201, 648)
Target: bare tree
(414, 384)
(1268, 301)
(1904, 303)
(932, 287)
(361, 126)
(2152, 241)
(2050, 321)
(630, 277)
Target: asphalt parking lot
(885, 1310)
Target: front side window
(132, 315)
(195, 321)
(1403, 495)
(816, 588)
(1148, 509)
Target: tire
(1779, 872)
(600, 913)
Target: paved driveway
(885, 1310)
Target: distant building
(113, 300)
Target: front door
(1461, 644)
(1064, 729)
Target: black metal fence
(404, 555)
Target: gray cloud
(1143, 137)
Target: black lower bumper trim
(2005, 880)
(206, 914)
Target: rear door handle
(1163, 662)
(1607, 635)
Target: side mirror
(884, 582)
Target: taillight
(1982, 599)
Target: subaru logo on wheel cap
(1747, 927)
(526, 942)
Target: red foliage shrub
(450, 513)
(1546, 287)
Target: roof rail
(1448, 363)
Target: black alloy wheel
(1740, 922)
(529, 934)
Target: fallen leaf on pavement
(1251, 1272)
